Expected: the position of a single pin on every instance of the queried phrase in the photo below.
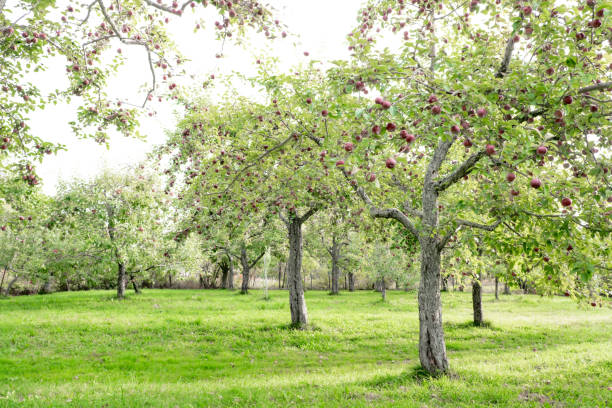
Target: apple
(433, 99)
(490, 149)
(386, 104)
(349, 147)
(340, 163)
(541, 150)
(324, 113)
(376, 130)
(391, 127)
(566, 202)
(3, 228)
(467, 143)
(371, 177)
(309, 100)
(403, 133)
(510, 177)
(378, 100)
(568, 100)
(410, 138)
(455, 129)
(390, 163)
(436, 109)
(481, 112)
(535, 182)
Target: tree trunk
(432, 348)
(383, 289)
(345, 282)
(335, 271)
(120, 280)
(297, 303)
(351, 279)
(280, 272)
(48, 284)
(169, 281)
(230, 273)
(496, 288)
(444, 284)
(224, 272)
(244, 289)
(10, 285)
(135, 285)
(3, 276)
(477, 301)
(506, 289)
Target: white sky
(317, 26)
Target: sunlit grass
(217, 348)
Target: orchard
(419, 217)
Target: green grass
(169, 348)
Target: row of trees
(458, 138)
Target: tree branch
(463, 170)
(376, 212)
(597, 87)
(503, 68)
(257, 259)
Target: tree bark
(297, 303)
(506, 289)
(351, 279)
(477, 301)
(496, 288)
(432, 348)
(335, 271)
(246, 270)
(383, 289)
(120, 280)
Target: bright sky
(317, 26)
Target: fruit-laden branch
(168, 9)
(308, 214)
(376, 212)
(597, 87)
(463, 170)
(89, 7)
(255, 162)
(464, 223)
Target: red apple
(436, 109)
(541, 150)
(481, 112)
(510, 177)
(535, 183)
(349, 147)
(490, 149)
(566, 202)
(568, 100)
(390, 163)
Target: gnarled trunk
(432, 348)
(477, 301)
(383, 289)
(297, 304)
(120, 280)
(351, 279)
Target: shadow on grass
(415, 375)
(470, 325)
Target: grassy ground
(217, 348)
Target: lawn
(189, 348)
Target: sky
(317, 26)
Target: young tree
(122, 214)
